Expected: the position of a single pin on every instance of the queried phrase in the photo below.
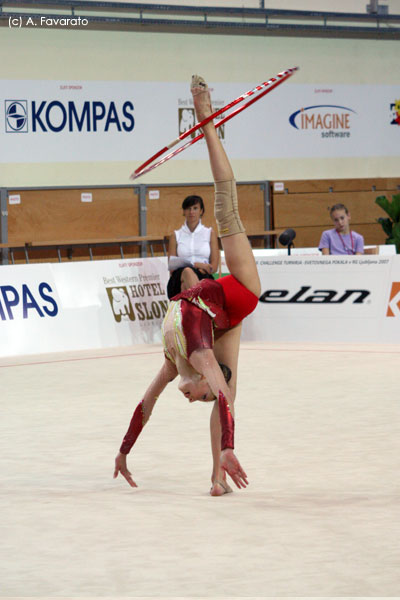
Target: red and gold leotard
(193, 314)
(189, 325)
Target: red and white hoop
(263, 88)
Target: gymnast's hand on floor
(121, 467)
(232, 466)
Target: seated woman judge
(193, 249)
(201, 330)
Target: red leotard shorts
(221, 303)
(240, 302)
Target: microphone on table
(286, 238)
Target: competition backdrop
(96, 304)
(100, 304)
(57, 121)
(327, 299)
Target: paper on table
(176, 262)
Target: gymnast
(201, 330)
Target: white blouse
(194, 245)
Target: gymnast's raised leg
(238, 254)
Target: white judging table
(382, 249)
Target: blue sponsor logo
(26, 302)
(56, 116)
(322, 116)
(16, 116)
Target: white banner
(56, 121)
(327, 299)
(99, 304)
(82, 305)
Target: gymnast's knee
(226, 208)
(188, 278)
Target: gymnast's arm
(205, 363)
(140, 417)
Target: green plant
(391, 226)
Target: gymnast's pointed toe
(198, 85)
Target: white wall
(73, 55)
(325, 5)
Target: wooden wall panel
(251, 207)
(305, 206)
(296, 210)
(164, 215)
(59, 214)
(339, 185)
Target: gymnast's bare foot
(201, 98)
(220, 487)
